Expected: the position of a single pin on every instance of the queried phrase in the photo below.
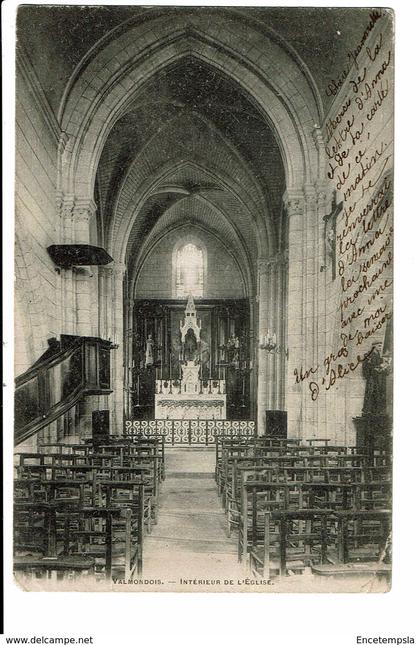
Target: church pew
(293, 540)
(285, 495)
(333, 496)
(329, 535)
(93, 535)
(259, 496)
(131, 497)
(336, 455)
(55, 499)
(286, 468)
(34, 528)
(97, 474)
(63, 567)
(62, 472)
(63, 526)
(157, 443)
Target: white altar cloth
(190, 406)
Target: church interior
(179, 292)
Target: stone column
(310, 309)
(272, 326)
(306, 311)
(323, 403)
(117, 354)
(294, 203)
(82, 213)
(84, 285)
(105, 276)
(263, 301)
(279, 357)
(129, 335)
(68, 296)
(253, 356)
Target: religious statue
(375, 369)
(149, 351)
(190, 346)
(232, 346)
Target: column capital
(318, 137)
(84, 209)
(62, 142)
(310, 197)
(323, 195)
(65, 205)
(106, 271)
(294, 201)
(265, 264)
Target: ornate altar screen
(216, 338)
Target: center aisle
(190, 539)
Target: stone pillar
(281, 309)
(84, 210)
(82, 213)
(323, 403)
(306, 310)
(105, 278)
(117, 355)
(263, 302)
(129, 335)
(84, 285)
(68, 296)
(294, 203)
(272, 326)
(106, 275)
(309, 309)
(253, 356)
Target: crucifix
(330, 229)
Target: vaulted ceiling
(321, 36)
(190, 140)
(193, 147)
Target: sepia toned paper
(204, 242)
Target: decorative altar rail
(191, 432)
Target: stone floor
(190, 541)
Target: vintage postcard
(203, 299)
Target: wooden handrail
(36, 401)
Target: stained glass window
(189, 271)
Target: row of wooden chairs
(293, 452)
(338, 542)
(261, 478)
(82, 509)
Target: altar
(190, 396)
(171, 402)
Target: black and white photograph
(203, 299)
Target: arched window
(189, 271)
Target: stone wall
(345, 246)
(37, 303)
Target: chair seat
(295, 557)
(351, 569)
(72, 562)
